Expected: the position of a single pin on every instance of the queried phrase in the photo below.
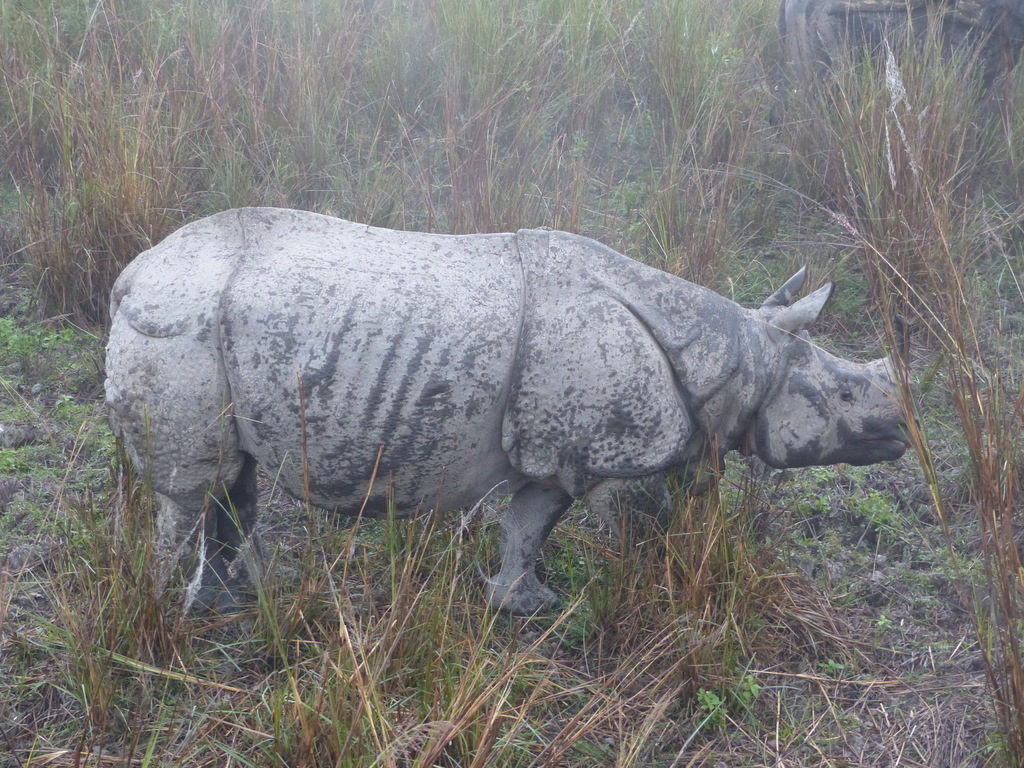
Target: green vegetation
(834, 616)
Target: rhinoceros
(371, 370)
(817, 35)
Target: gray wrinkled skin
(819, 35)
(361, 366)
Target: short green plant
(834, 669)
(737, 701)
(878, 509)
(882, 625)
(745, 692)
(713, 707)
(32, 349)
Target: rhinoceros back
(357, 355)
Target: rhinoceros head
(822, 409)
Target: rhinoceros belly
(363, 362)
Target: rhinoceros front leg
(525, 526)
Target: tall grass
(982, 372)
(897, 148)
(910, 149)
(386, 656)
(919, 171)
(124, 119)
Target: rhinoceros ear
(784, 296)
(802, 315)
(902, 330)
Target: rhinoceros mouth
(897, 445)
(885, 447)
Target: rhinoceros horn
(803, 313)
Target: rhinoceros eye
(846, 396)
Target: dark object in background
(816, 36)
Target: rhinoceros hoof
(223, 599)
(524, 597)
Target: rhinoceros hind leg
(525, 525)
(216, 590)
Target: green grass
(738, 635)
